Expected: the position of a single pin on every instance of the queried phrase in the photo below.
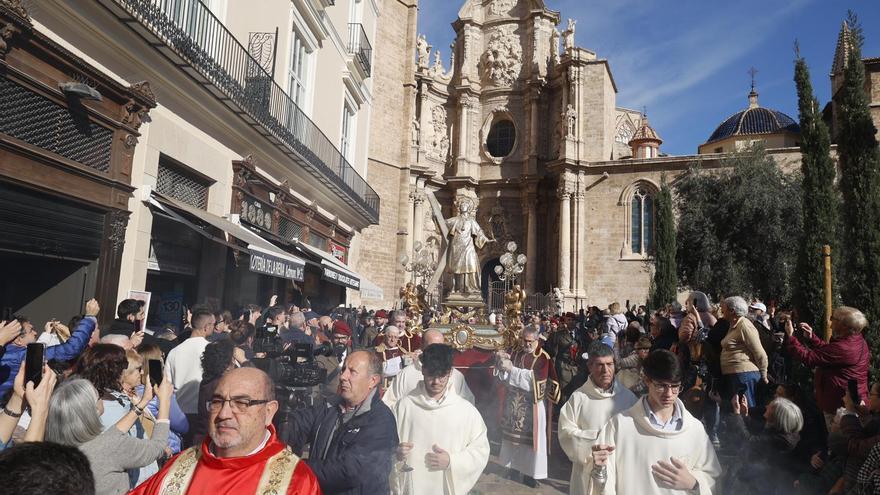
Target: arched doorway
(487, 276)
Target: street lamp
(511, 266)
(421, 267)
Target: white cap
(758, 305)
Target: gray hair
(73, 413)
(529, 329)
(737, 305)
(116, 339)
(389, 328)
(297, 320)
(787, 416)
(598, 349)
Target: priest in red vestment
(242, 454)
(409, 340)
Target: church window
(642, 226)
(501, 139)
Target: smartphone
(33, 363)
(853, 387)
(7, 314)
(157, 374)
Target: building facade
(248, 176)
(525, 123)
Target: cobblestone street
(494, 481)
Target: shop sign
(341, 278)
(338, 251)
(276, 267)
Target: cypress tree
(820, 202)
(860, 186)
(665, 284)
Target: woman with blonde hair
(179, 423)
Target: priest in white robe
(530, 387)
(655, 447)
(587, 411)
(407, 380)
(444, 447)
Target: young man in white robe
(444, 447)
(407, 380)
(655, 447)
(587, 411)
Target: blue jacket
(354, 458)
(68, 351)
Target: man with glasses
(656, 446)
(530, 385)
(242, 453)
(444, 447)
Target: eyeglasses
(238, 405)
(667, 387)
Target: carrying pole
(826, 255)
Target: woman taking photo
(75, 412)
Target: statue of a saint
(568, 36)
(466, 237)
(554, 46)
(423, 49)
(513, 305)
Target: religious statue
(437, 68)
(414, 138)
(423, 48)
(554, 47)
(568, 34)
(513, 305)
(570, 116)
(466, 237)
(558, 300)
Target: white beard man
(444, 447)
(587, 411)
(655, 447)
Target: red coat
(836, 362)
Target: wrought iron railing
(359, 46)
(192, 31)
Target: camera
(268, 341)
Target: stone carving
(129, 141)
(424, 50)
(558, 300)
(498, 221)
(414, 136)
(501, 7)
(466, 237)
(7, 31)
(502, 60)
(144, 90)
(437, 68)
(570, 117)
(451, 59)
(17, 7)
(440, 141)
(118, 223)
(554, 47)
(568, 35)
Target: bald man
(408, 379)
(242, 453)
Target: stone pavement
(493, 480)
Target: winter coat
(349, 458)
(765, 464)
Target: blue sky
(687, 61)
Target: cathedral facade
(525, 123)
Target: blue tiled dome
(754, 120)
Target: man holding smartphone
(16, 350)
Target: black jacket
(125, 327)
(352, 458)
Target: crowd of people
(701, 398)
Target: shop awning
(369, 290)
(333, 270)
(265, 257)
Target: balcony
(191, 37)
(359, 46)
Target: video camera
(289, 366)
